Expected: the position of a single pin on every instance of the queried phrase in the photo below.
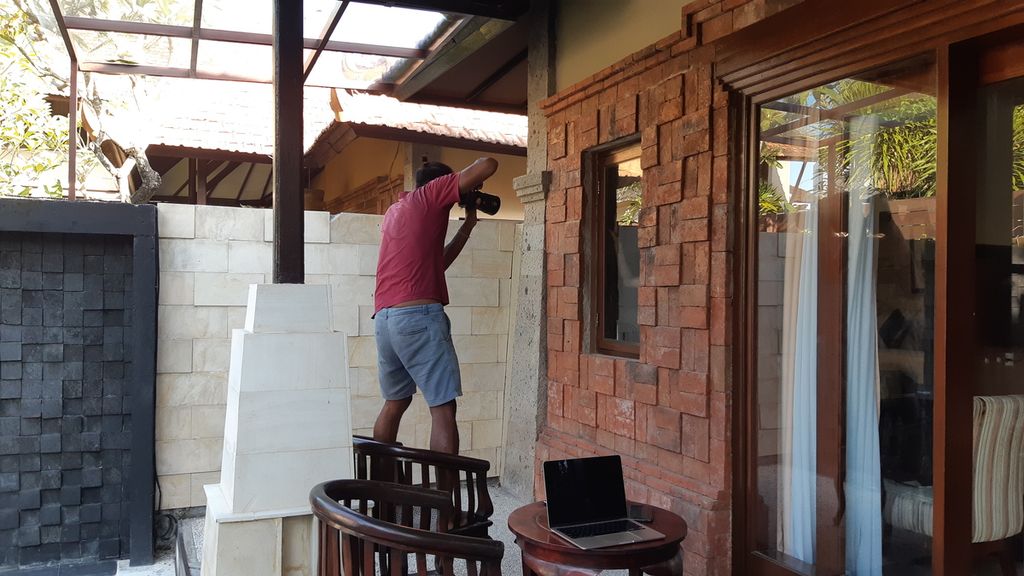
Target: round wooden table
(548, 554)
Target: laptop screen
(584, 490)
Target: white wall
(208, 257)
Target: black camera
(486, 203)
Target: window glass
(845, 323)
(619, 183)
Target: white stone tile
(482, 377)
(477, 348)
(316, 227)
(484, 236)
(177, 255)
(173, 355)
(223, 289)
(288, 308)
(503, 349)
(331, 259)
(345, 319)
(187, 456)
(473, 292)
(362, 351)
(191, 389)
(226, 223)
(173, 422)
(289, 420)
(490, 320)
(367, 255)
(183, 322)
(317, 279)
(197, 496)
(236, 318)
(366, 322)
(249, 258)
(507, 231)
(276, 481)
(177, 288)
(174, 491)
(208, 421)
(250, 548)
(265, 362)
(211, 354)
(363, 381)
(351, 289)
(461, 319)
(365, 410)
(504, 292)
(355, 228)
(491, 264)
(478, 406)
(462, 267)
(298, 549)
(176, 220)
(486, 434)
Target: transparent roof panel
(257, 15)
(236, 60)
(177, 12)
(389, 26)
(138, 49)
(347, 70)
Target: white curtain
(798, 470)
(863, 474)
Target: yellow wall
(368, 158)
(362, 160)
(593, 34)
(509, 167)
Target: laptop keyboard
(600, 528)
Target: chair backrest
(998, 467)
(355, 541)
(416, 467)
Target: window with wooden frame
(615, 180)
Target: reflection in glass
(998, 407)
(621, 185)
(870, 143)
(137, 49)
(347, 70)
(249, 61)
(175, 12)
(390, 26)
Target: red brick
(664, 336)
(720, 133)
(572, 270)
(694, 208)
(694, 230)
(693, 295)
(666, 275)
(720, 370)
(667, 193)
(693, 317)
(749, 13)
(701, 261)
(554, 398)
(661, 356)
(720, 325)
(717, 27)
(695, 439)
(648, 216)
(670, 172)
(720, 180)
(670, 109)
(647, 296)
(571, 336)
(649, 157)
(690, 177)
(616, 415)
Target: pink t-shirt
(411, 263)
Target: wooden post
(73, 130)
(288, 218)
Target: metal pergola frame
(290, 72)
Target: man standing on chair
(414, 340)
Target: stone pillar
(287, 428)
(526, 388)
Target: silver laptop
(587, 503)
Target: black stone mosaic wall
(65, 424)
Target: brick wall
(372, 197)
(208, 257)
(669, 413)
(65, 429)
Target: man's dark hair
(431, 170)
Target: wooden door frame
(810, 44)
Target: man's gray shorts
(414, 349)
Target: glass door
(846, 216)
(998, 387)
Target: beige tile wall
(208, 257)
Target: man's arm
(470, 178)
(458, 242)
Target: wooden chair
(416, 467)
(355, 541)
(998, 483)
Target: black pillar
(288, 219)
